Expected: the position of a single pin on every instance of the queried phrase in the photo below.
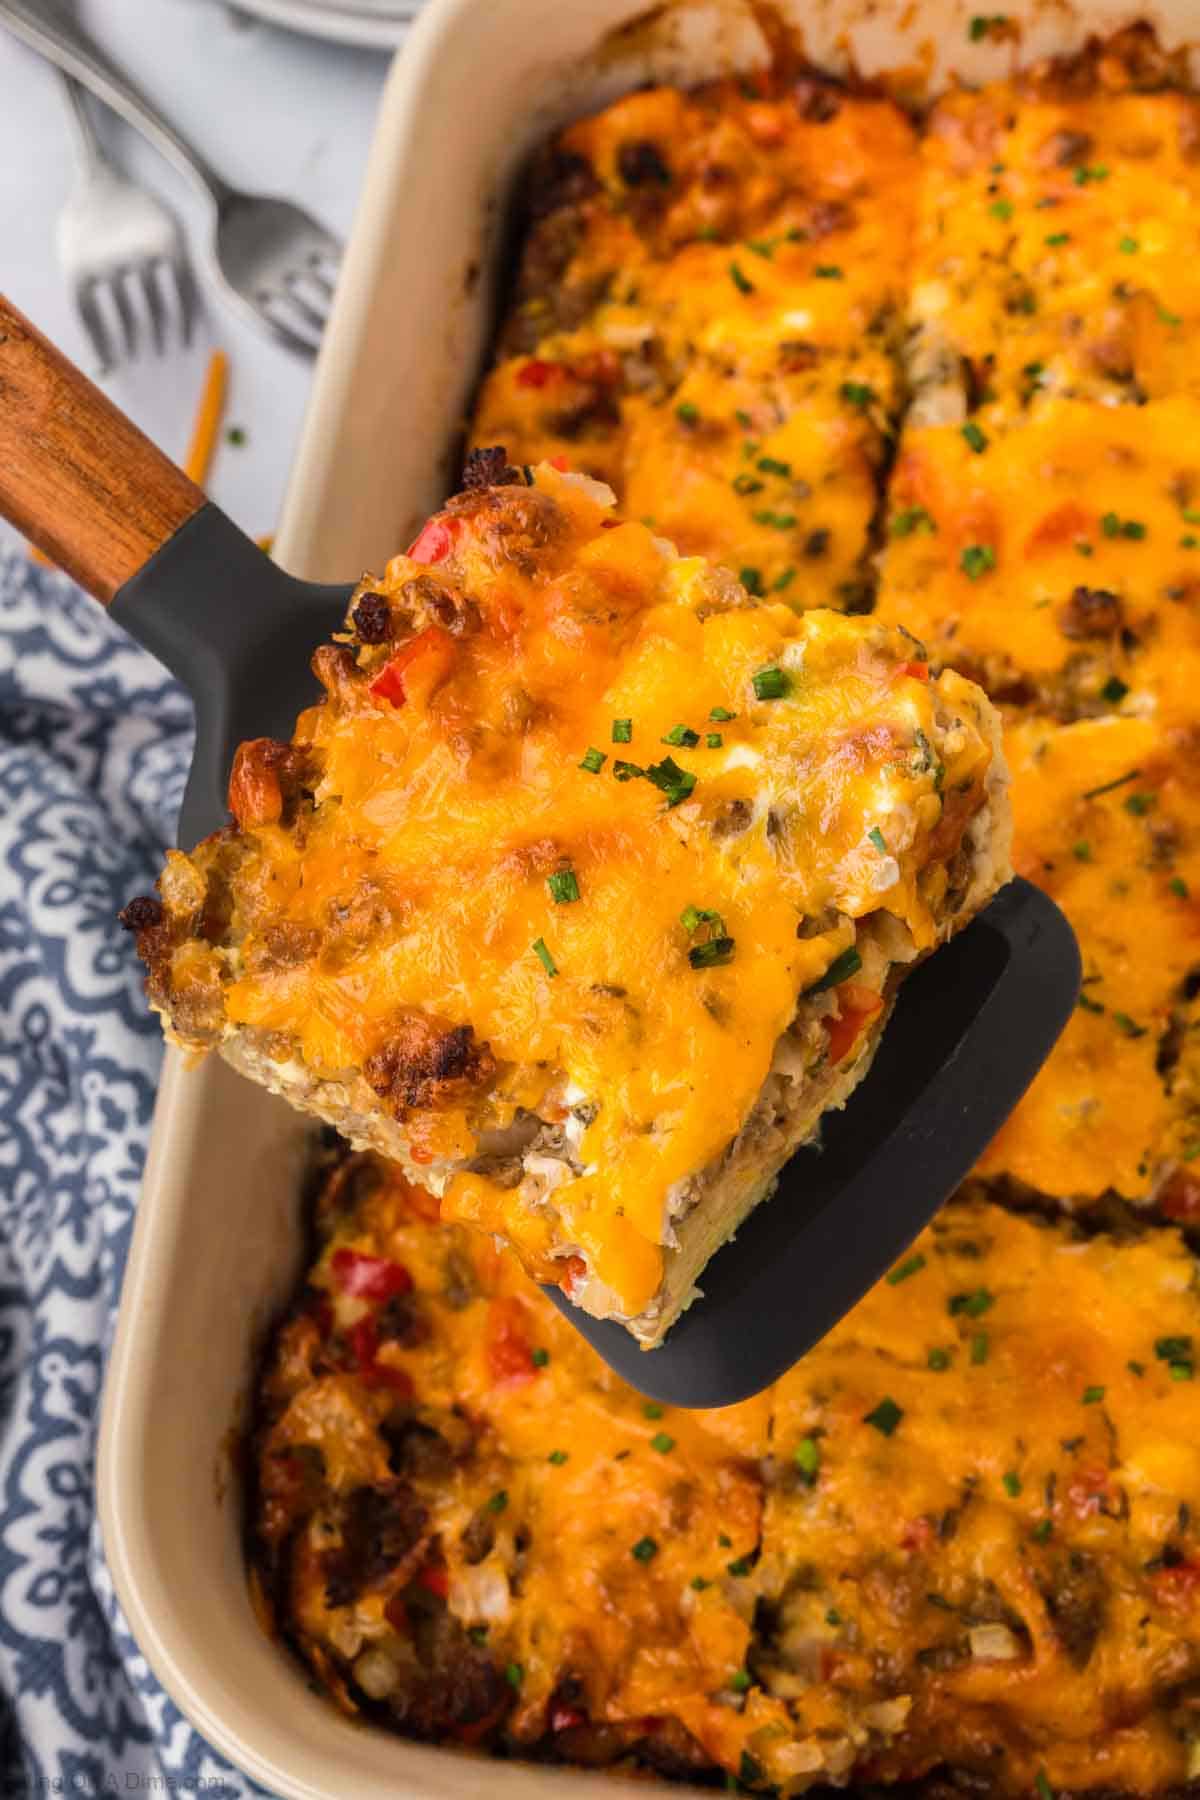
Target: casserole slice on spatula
(585, 890)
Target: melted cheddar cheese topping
(544, 904)
(960, 1531)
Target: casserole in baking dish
(217, 1236)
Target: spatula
(970, 1030)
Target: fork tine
(147, 277)
(124, 311)
(305, 308)
(186, 295)
(92, 320)
(284, 323)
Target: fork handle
(61, 40)
(77, 477)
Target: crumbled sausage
(427, 1063)
(817, 99)
(1091, 613)
(373, 619)
(143, 912)
(489, 467)
(642, 162)
(1065, 149)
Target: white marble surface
(273, 111)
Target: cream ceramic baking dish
(217, 1244)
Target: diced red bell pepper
(918, 670)
(845, 1031)
(1180, 1199)
(1178, 1587)
(537, 372)
(434, 1578)
(509, 1357)
(369, 1277)
(566, 1718)
(416, 668)
(560, 462)
(574, 1271)
(434, 542)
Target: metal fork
(272, 261)
(121, 251)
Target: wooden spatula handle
(76, 476)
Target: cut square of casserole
(1107, 815)
(1056, 560)
(708, 316)
(586, 890)
(1055, 249)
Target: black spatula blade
(970, 1030)
(239, 633)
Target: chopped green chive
(1012, 1483)
(544, 957)
(980, 1345)
(514, 1674)
(1180, 1371)
(1001, 209)
(564, 886)
(713, 955)
(557, 1457)
(1082, 851)
(973, 1305)
(776, 520)
(682, 735)
(699, 1583)
(749, 1768)
(833, 1616)
(539, 1358)
(628, 771)
(593, 760)
(1087, 173)
(771, 465)
(725, 1541)
(1114, 690)
(1128, 246)
(662, 1442)
(743, 418)
(976, 438)
(1107, 787)
(770, 684)
(885, 1417)
(1042, 1531)
(1178, 887)
(478, 1634)
(739, 1567)
(1173, 1349)
(722, 715)
(840, 969)
(1058, 237)
(751, 579)
(651, 1410)
(687, 414)
(877, 838)
(713, 740)
(807, 1457)
(645, 1550)
(976, 560)
(740, 280)
(746, 484)
(1042, 1783)
(783, 580)
(1128, 1027)
(827, 272)
(236, 436)
(671, 780)
(498, 1501)
(1112, 526)
(740, 1681)
(1087, 1004)
(622, 731)
(1169, 318)
(761, 247)
(1092, 1396)
(1136, 1368)
(938, 1360)
(1139, 804)
(857, 393)
(912, 1265)
(910, 519)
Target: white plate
(373, 24)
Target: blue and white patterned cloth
(94, 746)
